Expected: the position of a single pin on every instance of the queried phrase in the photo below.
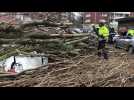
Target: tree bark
(76, 41)
(28, 41)
(42, 35)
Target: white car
(116, 37)
(126, 43)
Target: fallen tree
(76, 41)
(44, 22)
(28, 41)
(45, 35)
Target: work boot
(105, 55)
(99, 54)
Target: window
(88, 21)
(104, 14)
(119, 15)
(102, 20)
(88, 15)
(126, 15)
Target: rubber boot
(105, 55)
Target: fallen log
(76, 41)
(29, 41)
(30, 54)
(39, 41)
(8, 55)
(42, 35)
(44, 22)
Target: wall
(95, 17)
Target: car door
(125, 43)
(120, 43)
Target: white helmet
(102, 21)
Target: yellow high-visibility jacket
(131, 32)
(104, 32)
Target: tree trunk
(29, 41)
(42, 35)
(76, 41)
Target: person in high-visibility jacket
(103, 31)
(131, 33)
(103, 38)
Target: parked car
(74, 30)
(116, 37)
(79, 30)
(126, 43)
(87, 28)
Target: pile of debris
(70, 60)
(81, 71)
(50, 36)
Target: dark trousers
(110, 40)
(101, 49)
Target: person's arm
(100, 33)
(95, 30)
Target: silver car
(126, 43)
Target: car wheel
(130, 50)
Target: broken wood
(76, 41)
(28, 41)
(44, 35)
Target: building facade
(118, 15)
(132, 14)
(95, 17)
(88, 17)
